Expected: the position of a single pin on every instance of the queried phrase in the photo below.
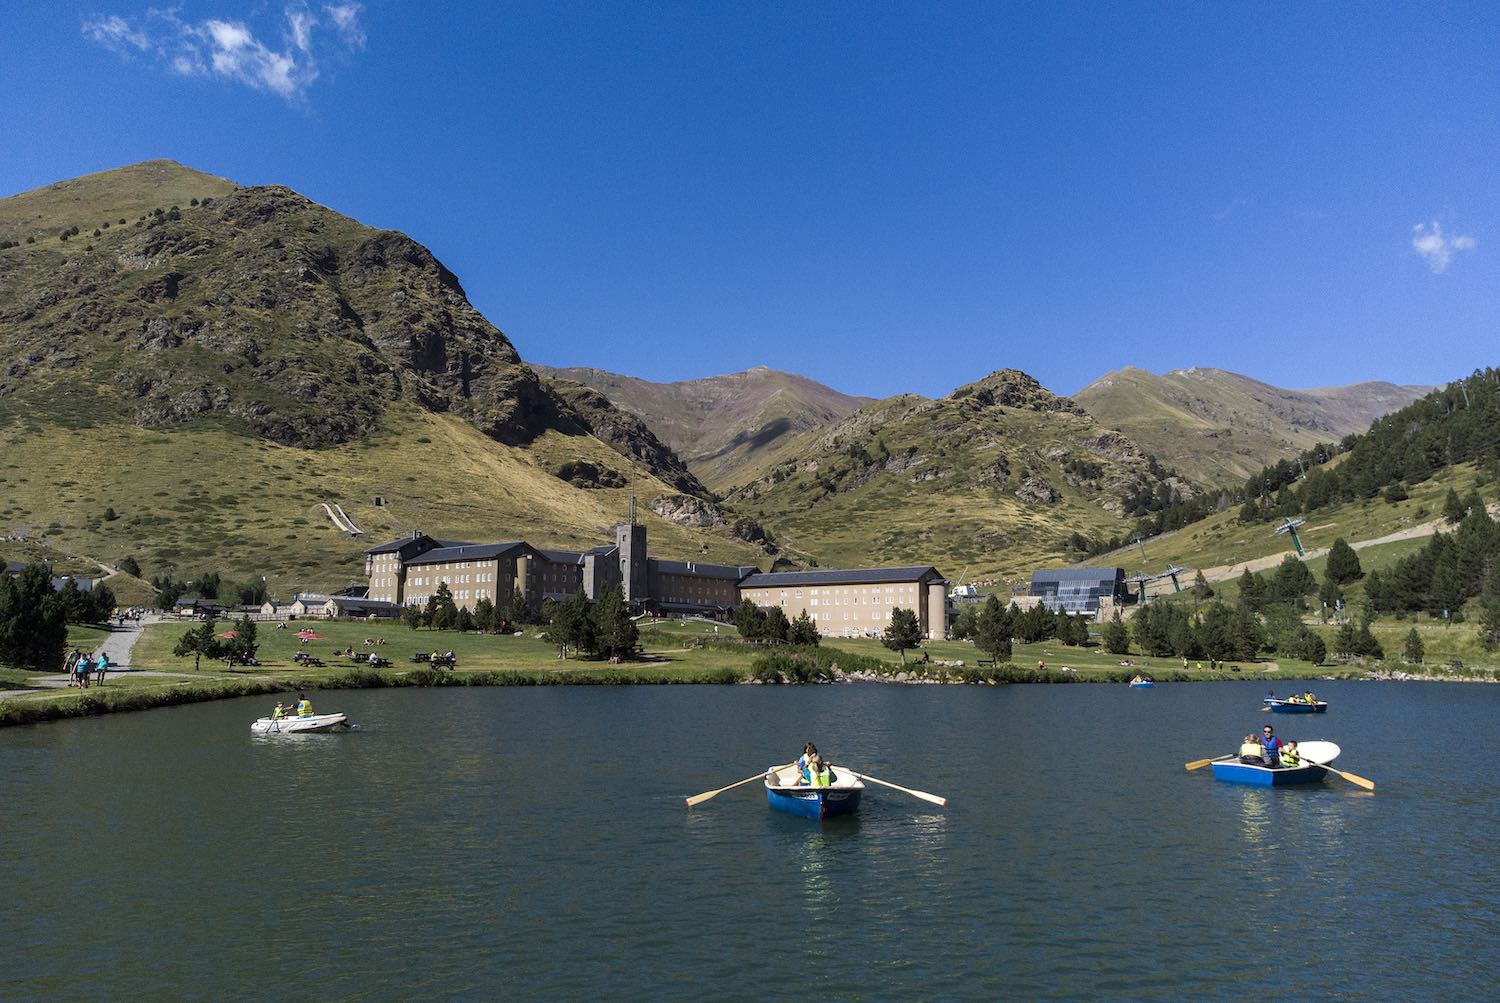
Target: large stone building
(408, 571)
(855, 603)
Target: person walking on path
(101, 666)
(82, 670)
(70, 664)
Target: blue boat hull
(1282, 707)
(815, 802)
(1261, 776)
(1142, 686)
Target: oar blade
(1357, 780)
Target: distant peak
(1013, 388)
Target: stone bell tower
(630, 538)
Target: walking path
(117, 644)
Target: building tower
(630, 538)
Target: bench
(421, 656)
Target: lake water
(534, 842)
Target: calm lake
(533, 841)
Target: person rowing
(304, 705)
(1270, 748)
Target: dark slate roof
(1077, 575)
(562, 556)
(403, 544)
(15, 567)
(469, 552)
(857, 576)
(665, 567)
(368, 605)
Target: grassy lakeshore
(676, 652)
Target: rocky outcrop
(686, 510)
(625, 434)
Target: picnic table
(422, 656)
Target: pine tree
(902, 632)
(1453, 508)
(484, 614)
(992, 630)
(748, 619)
(1116, 638)
(1413, 650)
(616, 637)
(804, 631)
(776, 627)
(33, 631)
(1343, 563)
(1201, 589)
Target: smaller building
(855, 603)
(360, 609)
(1079, 590)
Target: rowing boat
(840, 797)
(1142, 684)
(1236, 771)
(1276, 706)
(299, 725)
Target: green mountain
(997, 477)
(729, 429)
(1217, 428)
(188, 369)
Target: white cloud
(115, 33)
(228, 49)
(1427, 240)
(345, 18)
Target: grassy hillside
(994, 478)
(728, 429)
(209, 499)
(1223, 546)
(1216, 428)
(186, 386)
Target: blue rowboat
(1236, 772)
(841, 797)
(1142, 684)
(1296, 706)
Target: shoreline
(125, 700)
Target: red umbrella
(229, 633)
(310, 635)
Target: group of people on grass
(1270, 751)
(79, 666)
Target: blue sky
(884, 197)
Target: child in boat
(1289, 757)
(1250, 750)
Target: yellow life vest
(825, 777)
(304, 708)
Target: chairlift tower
(1290, 528)
(1172, 573)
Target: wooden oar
(700, 798)
(895, 787)
(1353, 778)
(1198, 764)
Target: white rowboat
(293, 725)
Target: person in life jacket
(809, 753)
(1270, 748)
(304, 706)
(1250, 750)
(1289, 757)
(279, 712)
(1309, 698)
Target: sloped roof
(471, 552)
(855, 576)
(699, 570)
(1077, 575)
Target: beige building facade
(855, 603)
